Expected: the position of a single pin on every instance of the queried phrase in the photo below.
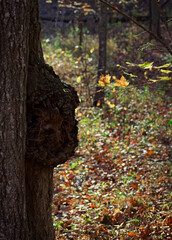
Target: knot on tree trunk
(51, 125)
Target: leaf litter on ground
(118, 183)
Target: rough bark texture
(13, 74)
(99, 96)
(51, 139)
(47, 106)
(51, 133)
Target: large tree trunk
(13, 75)
(27, 172)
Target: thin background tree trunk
(99, 96)
(154, 18)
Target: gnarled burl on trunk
(51, 140)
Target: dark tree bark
(154, 16)
(31, 95)
(80, 26)
(99, 96)
(13, 76)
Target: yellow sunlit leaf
(46, 56)
(117, 210)
(153, 80)
(165, 78)
(78, 80)
(92, 50)
(146, 74)
(53, 56)
(164, 66)
(98, 103)
(130, 74)
(110, 105)
(165, 71)
(122, 82)
(88, 132)
(102, 84)
(104, 80)
(107, 79)
(79, 59)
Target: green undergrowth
(118, 183)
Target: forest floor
(118, 184)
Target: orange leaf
(93, 205)
(150, 152)
(132, 234)
(105, 147)
(122, 82)
(104, 80)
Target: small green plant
(58, 224)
